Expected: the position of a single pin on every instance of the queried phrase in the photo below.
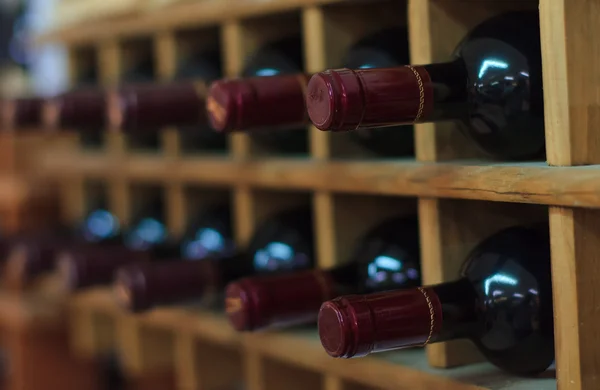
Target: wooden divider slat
(571, 55)
(436, 27)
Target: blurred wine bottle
(284, 243)
(145, 239)
(268, 102)
(31, 254)
(388, 257)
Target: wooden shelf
(406, 369)
(201, 13)
(535, 183)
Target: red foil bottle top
(86, 267)
(357, 325)
(346, 99)
(76, 109)
(274, 301)
(141, 286)
(155, 106)
(257, 103)
(21, 112)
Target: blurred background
(24, 66)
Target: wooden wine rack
(460, 195)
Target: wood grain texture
(533, 183)
(575, 264)
(571, 57)
(200, 13)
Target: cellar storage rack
(461, 196)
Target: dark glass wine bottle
(32, 254)
(202, 65)
(146, 239)
(261, 107)
(502, 302)
(21, 113)
(492, 87)
(83, 109)
(284, 243)
(387, 258)
(277, 103)
(141, 286)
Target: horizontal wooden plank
(42, 305)
(192, 14)
(406, 369)
(535, 183)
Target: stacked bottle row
(492, 87)
(372, 302)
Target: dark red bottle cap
(141, 286)
(261, 302)
(86, 267)
(257, 103)
(132, 108)
(19, 113)
(29, 258)
(346, 99)
(76, 109)
(357, 325)
(335, 100)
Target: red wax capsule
(257, 103)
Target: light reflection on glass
(207, 241)
(492, 63)
(267, 72)
(100, 224)
(277, 255)
(146, 233)
(500, 279)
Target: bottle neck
(457, 302)
(448, 86)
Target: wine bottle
(141, 286)
(278, 102)
(502, 302)
(21, 113)
(492, 88)
(387, 258)
(284, 243)
(82, 109)
(32, 254)
(146, 108)
(272, 96)
(147, 239)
